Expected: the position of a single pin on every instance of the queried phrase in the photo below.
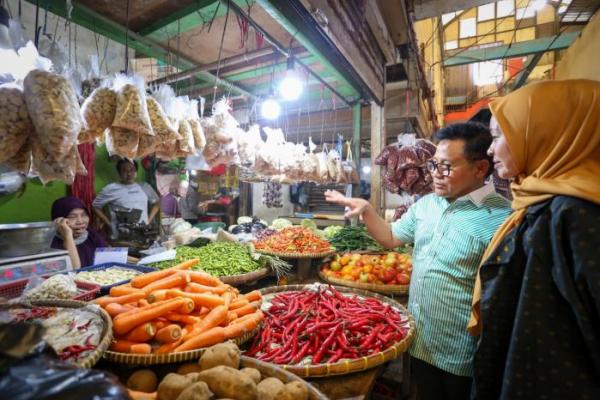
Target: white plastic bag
(122, 142)
(15, 124)
(98, 112)
(56, 287)
(131, 111)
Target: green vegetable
(281, 223)
(331, 231)
(354, 238)
(309, 223)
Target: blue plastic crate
(106, 288)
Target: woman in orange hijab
(537, 304)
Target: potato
(143, 380)
(172, 386)
(229, 382)
(197, 391)
(294, 391)
(252, 373)
(188, 368)
(268, 389)
(227, 354)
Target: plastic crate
(106, 288)
(87, 291)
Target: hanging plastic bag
(59, 286)
(223, 123)
(194, 120)
(98, 112)
(54, 111)
(122, 142)
(131, 112)
(162, 127)
(91, 80)
(249, 144)
(21, 161)
(349, 167)
(15, 124)
(334, 165)
(185, 145)
(47, 168)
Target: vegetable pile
(107, 276)
(294, 239)
(353, 238)
(176, 310)
(325, 326)
(391, 268)
(216, 375)
(254, 225)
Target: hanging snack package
(223, 122)
(162, 127)
(349, 167)
(193, 118)
(185, 145)
(166, 148)
(122, 142)
(323, 165)
(131, 112)
(21, 161)
(249, 144)
(312, 163)
(54, 111)
(15, 124)
(47, 168)
(98, 112)
(334, 166)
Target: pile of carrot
(176, 310)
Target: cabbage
(281, 223)
(331, 230)
(309, 223)
(244, 220)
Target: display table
(321, 222)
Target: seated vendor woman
(73, 233)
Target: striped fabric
(449, 240)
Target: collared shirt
(449, 241)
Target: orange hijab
(553, 131)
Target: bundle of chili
(294, 239)
(325, 326)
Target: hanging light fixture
(291, 86)
(270, 108)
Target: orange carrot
(183, 318)
(200, 299)
(157, 295)
(247, 309)
(144, 280)
(121, 346)
(122, 290)
(214, 318)
(128, 298)
(231, 316)
(142, 333)
(199, 288)
(253, 295)
(114, 309)
(169, 334)
(135, 395)
(204, 278)
(168, 347)
(175, 280)
(227, 298)
(208, 338)
(238, 329)
(143, 303)
(127, 322)
(240, 302)
(141, 348)
(160, 323)
(135, 310)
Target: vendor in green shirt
(450, 229)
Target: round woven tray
(297, 255)
(373, 287)
(153, 359)
(348, 366)
(269, 370)
(106, 337)
(245, 278)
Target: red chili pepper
(319, 356)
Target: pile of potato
(217, 375)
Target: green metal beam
(96, 22)
(186, 19)
(522, 76)
(557, 42)
(255, 73)
(296, 31)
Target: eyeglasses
(443, 169)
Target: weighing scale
(50, 262)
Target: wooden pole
(377, 143)
(356, 128)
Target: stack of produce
(295, 240)
(325, 326)
(248, 225)
(218, 374)
(107, 276)
(354, 238)
(390, 269)
(404, 164)
(177, 310)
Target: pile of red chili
(326, 326)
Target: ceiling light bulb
(270, 109)
(291, 86)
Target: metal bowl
(17, 240)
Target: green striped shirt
(449, 241)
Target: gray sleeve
(105, 196)
(150, 192)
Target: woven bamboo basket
(269, 370)
(153, 359)
(106, 336)
(345, 367)
(234, 280)
(372, 287)
(297, 255)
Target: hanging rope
(322, 114)
(220, 54)
(127, 39)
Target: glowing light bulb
(270, 109)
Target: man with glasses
(450, 230)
